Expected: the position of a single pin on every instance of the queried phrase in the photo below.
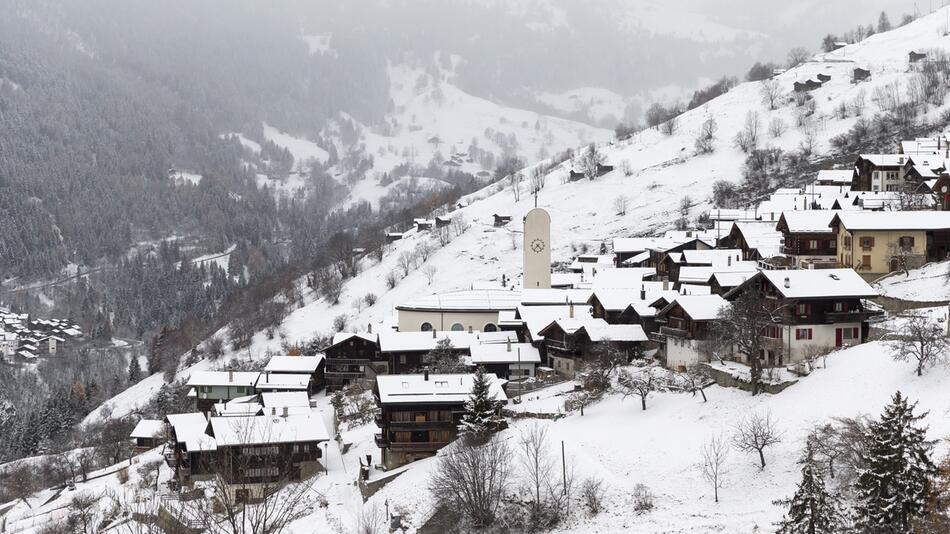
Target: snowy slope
(930, 283)
(664, 170)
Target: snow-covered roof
(639, 244)
(600, 330)
(148, 428)
(242, 407)
(702, 274)
(294, 364)
(343, 336)
(616, 299)
(269, 429)
(280, 399)
(496, 337)
(820, 283)
(894, 220)
(438, 388)
(190, 429)
(268, 380)
(691, 289)
(713, 256)
(814, 221)
(423, 341)
(222, 378)
(566, 279)
(699, 307)
(626, 278)
(923, 145)
(485, 353)
(530, 297)
(885, 160)
(836, 176)
(538, 317)
(638, 258)
(466, 300)
(731, 279)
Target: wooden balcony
(668, 331)
(416, 446)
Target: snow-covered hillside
(664, 169)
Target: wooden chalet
(420, 413)
(501, 219)
(814, 310)
(808, 239)
(352, 356)
(859, 75)
(684, 323)
(914, 57)
(148, 434)
(823, 78)
(569, 342)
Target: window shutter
(855, 333)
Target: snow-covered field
(930, 283)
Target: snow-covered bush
(642, 499)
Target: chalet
(500, 219)
(420, 413)
(926, 146)
(835, 177)
(251, 455)
(276, 382)
(875, 243)
(554, 297)
(587, 263)
(423, 225)
(879, 172)
(660, 250)
(311, 365)
(859, 75)
(511, 361)
(939, 189)
(815, 311)
(441, 221)
(601, 170)
(823, 78)
(407, 352)
(392, 237)
(569, 342)
(148, 434)
(684, 325)
(210, 387)
(757, 239)
(532, 319)
(721, 283)
(473, 310)
(838, 45)
(352, 356)
(807, 85)
(808, 239)
(625, 248)
(914, 57)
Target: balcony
(345, 375)
(797, 251)
(381, 441)
(347, 361)
(667, 331)
(853, 316)
(420, 425)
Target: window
(773, 332)
(906, 242)
(839, 306)
(850, 333)
(803, 308)
(812, 244)
(402, 359)
(867, 242)
(457, 327)
(866, 261)
(847, 241)
(832, 244)
(426, 327)
(489, 328)
(803, 333)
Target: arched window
(490, 328)
(426, 327)
(457, 327)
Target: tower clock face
(537, 245)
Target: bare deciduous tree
(642, 382)
(739, 327)
(707, 135)
(771, 92)
(921, 340)
(406, 262)
(797, 56)
(423, 250)
(472, 480)
(620, 204)
(392, 278)
(715, 463)
(777, 127)
(430, 271)
(516, 180)
(756, 432)
(697, 379)
(592, 492)
(460, 224)
(747, 139)
(590, 161)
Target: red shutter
(809, 333)
(838, 335)
(855, 333)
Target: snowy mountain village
(543, 364)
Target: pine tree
(813, 509)
(444, 359)
(135, 370)
(895, 487)
(481, 410)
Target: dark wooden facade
(412, 431)
(351, 359)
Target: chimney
(230, 375)
(788, 283)
(369, 328)
(509, 344)
(729, 261)
(570, 310)
(666, 285)
(284, 412)
(425, 373)
(433, 333)
(643, 292)
(273, 410)
(469, 329)
(267, 376)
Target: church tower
(537, 249)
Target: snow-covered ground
(930, 283)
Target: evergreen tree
(895, 487)
(481, 410)
(444, 359)
(135, 370)
(813, 509)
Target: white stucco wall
(411, 320)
